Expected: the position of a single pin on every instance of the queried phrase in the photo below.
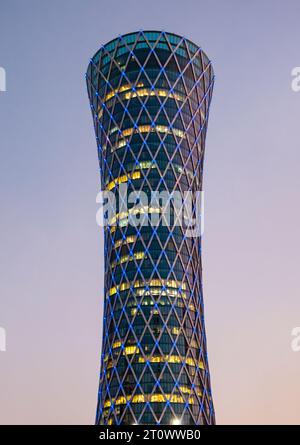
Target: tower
(150, 94)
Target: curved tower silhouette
(150, 94)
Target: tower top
(153, 40)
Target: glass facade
(150, 93)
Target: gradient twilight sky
(51, 248)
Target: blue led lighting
(170, 257)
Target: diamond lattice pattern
(150, 94)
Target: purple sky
(51, 248)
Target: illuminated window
(138, 398)
(163, 292)
(122, 179)
(194, 344)
(125, 258)
(112, 290)
(171, 359)
(116, 344)
(113, 130)
(112, 229)
(121, 401)
(130, 350)
(129, 240)
(154, 282)
(185, 389)
(142, 92)
(175, 398)
(175, 330)
(147, 164)
(184, 170)
(148, 92)
(161, 359)
(201, 364)
(153, 398)
(157, 398)
(143, 165)
(107, 404)
(190, 361)
(147, 129)
(122, 216)
(120, 90)
(109, 364)
(153, 129)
